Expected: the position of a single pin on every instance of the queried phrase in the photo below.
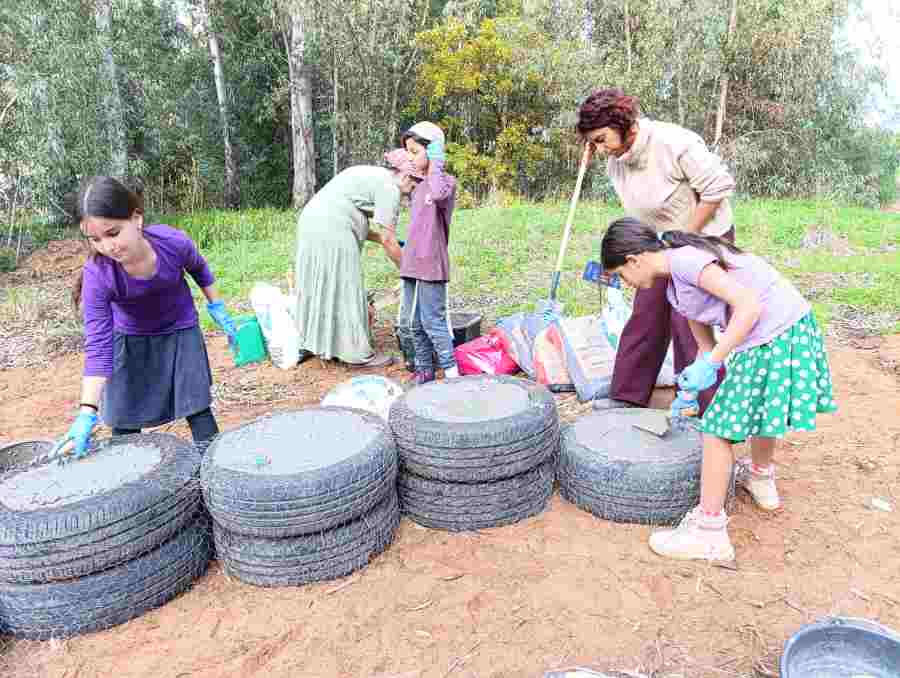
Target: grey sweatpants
(425, 308)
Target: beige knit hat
(426, 130)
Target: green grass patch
(777, 226)
(502, 257)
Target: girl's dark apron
(157, 379)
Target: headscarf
(399, 160)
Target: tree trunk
(56, 150)
(679, 67)
(334, 122)
(232, 174)
(301, 112)
(12, 209)
(628, 36)
(112, 100)
(723, 93)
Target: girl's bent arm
(91, 390)
(440, 183)
(211, 293)
(745, 308)
(703, 335)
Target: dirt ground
(560, 589)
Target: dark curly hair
(609, 107)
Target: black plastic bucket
(466, 326)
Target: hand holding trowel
(76, 441)
(657, 422)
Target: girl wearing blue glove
(777, 379)
(425, 261)
(144, 352)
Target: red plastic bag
(484, 355)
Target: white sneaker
(760, 486)
(697, 537)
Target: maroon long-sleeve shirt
(425, 254)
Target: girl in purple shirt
(425, 263)
(777, 379)
(144, 353)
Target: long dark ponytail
(628, 237)
(108, 198)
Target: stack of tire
(97, 541)
(475, 452)
(611, 466)
(302, 496)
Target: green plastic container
(249, 345)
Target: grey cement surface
(468, 401)
(613, 433)
(61, 484)
(294, 442)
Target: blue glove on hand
(684, 400)
(80, 432)
(435, 150)
(699, 375)
(218, 313)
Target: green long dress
(332, 312)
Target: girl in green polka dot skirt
(777, 377)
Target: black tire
(624, 474)
(311, 557)
(483, 464)
(474, 506)
(349, 471)
(105, 599)
(475, 429)
(23, 453)
(89, 535)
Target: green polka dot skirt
(773, 388)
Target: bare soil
(560, 589)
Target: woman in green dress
(361, 203)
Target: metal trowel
(657, 421)
(61, 452)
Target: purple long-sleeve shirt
(425, 254)
(117, 303)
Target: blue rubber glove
(80, 432)
(435, 150)
(684, 400)
(218, 313)
(699, 375)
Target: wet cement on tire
(625, 474)
(61, 484)
(467, 401)
(294, 442)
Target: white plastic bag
(372, 393)
(614, 315)
(275, 313)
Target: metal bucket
(841, 647)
